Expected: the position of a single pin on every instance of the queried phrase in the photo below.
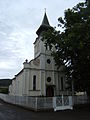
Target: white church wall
(49, 66)
(35, 63)
(37, 47)
(43, 83)
(49, 74)
(18, 85)
(42, 46)
(42, 61)
(37, 91)
(25, 81)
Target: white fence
(45, 103)
(39, 103)
(62, 103)
(34, 103)
(80, 99)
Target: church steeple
(44, 26)
(45, 20)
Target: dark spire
(45, 20)
(44, 26)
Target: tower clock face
(48, 61)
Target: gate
(62, 103)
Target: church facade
(40, 76)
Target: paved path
(10, 112)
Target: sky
(19, 20)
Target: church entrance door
(49, 91)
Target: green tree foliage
(73, 45)
(4, 90)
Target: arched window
(34, 82)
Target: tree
(73, 45)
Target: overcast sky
(19, 20)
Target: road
(10, 112)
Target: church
(40, 76)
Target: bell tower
(39, 46)
(50, 77)
(47, 64)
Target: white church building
(40, 76)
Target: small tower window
(48, 61)
(34, 82)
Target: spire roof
(44, 26)
(45, 20)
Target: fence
(80, 99)
(36, 103)
(62, 103)
(44, 103)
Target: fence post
(36, 104)
(62, 100)
(54, 103)
(70, 102)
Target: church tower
(40, 50)
(39, 46)
(49, 75)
